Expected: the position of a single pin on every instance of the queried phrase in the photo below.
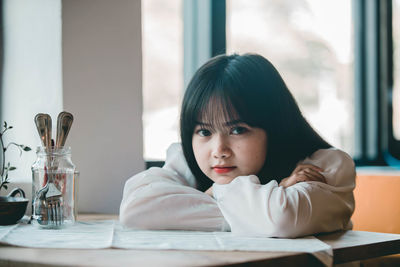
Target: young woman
(249, 162)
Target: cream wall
(31, 78)
(102, 83)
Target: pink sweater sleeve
(302, 209)
(164, 198)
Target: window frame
(392, 154)
(374, 140)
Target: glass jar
(53, 188)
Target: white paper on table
(110, 234)
(4, 230)
(81, 235)
(222, 241)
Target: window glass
(162, 74)
(311, 44)
(396, 69)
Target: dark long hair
(249, 88)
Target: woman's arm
(161, 198)
(301, 209)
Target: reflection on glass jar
(53, 188)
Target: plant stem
(3, 157)
(15, 144)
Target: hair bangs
(218, 107)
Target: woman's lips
(223, 169)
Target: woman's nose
(221, 148)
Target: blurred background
(121, 68)
(328, 52)
(310, 42)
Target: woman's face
(229, 150)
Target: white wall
(31, 76)
(102, 84)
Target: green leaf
(12, 168)
(5, 186)
(5, 124)
(10, 127)
(27, 148)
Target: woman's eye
(238, 130)
(203, 132)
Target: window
(178, 37)
(335, 56)
(313, 50)
(162, 41)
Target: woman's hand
(303, 173)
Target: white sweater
(166, 198)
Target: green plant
(5, 169)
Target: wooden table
(347, 246)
